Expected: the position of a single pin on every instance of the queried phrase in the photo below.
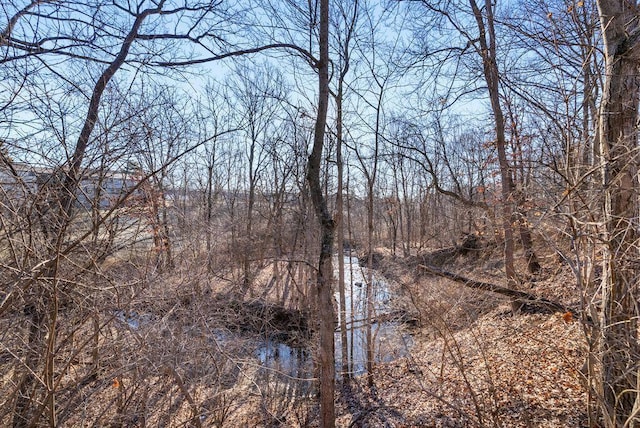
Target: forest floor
(182, 355)
(473, 362)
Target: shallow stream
(277, 358)
(390, 341)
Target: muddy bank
(286, 325)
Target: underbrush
(152, 347)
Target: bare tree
(346, 22)
(42, 308)
(327, 227)
(260, 94)
(488, 51)
(165, 131)
(471, 27)
(57, 40)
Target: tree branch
(286, 46)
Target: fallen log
(399, 315)
(526, 299)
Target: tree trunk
(487, 41)
(165, 235)
(346, 371)
(371, 181)
(618, 152)
(247, 278)
(520, 200)
(326, 355)
(25, 404)
(369, 295)
(344, 49)
(209, 215)
(533, 265)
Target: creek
(390, 341)
(276, 358)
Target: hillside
(473, 362)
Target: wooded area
(430, 207)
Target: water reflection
(133, 319)
(285, 371)
(294, 362)
(390, 341)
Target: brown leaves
(520, 368)
(567, 317)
